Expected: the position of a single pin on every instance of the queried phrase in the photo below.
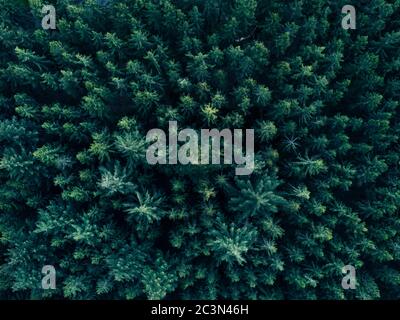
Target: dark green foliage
(76, 191)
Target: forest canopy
(77, 193)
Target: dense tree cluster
(76, 191)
